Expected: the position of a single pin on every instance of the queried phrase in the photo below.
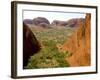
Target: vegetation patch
(49, 56)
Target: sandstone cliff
(79, 45)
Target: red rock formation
(79, 45)
(30, 44)
(74, 22)
(41, 21)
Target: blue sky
(64, 16)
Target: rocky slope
(79, 45)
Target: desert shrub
(47, 58)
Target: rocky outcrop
(71, 23)
(30, 44)
(41, 21)
(79, 45)
(28, 21)
(75, 22)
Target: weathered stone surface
(41, 21)
(79, 45)
(30, 44)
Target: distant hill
(44, 22)
(75, 22)
(41, 21)
(28, 21)
(59, 23)
(71, 23)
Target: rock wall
(30, 44)
(79, 45)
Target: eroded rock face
(41, 21)
(79, 45)
(30, 44)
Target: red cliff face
(30, 44)
(79, 45)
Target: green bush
(47, 59)
(49, 56)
